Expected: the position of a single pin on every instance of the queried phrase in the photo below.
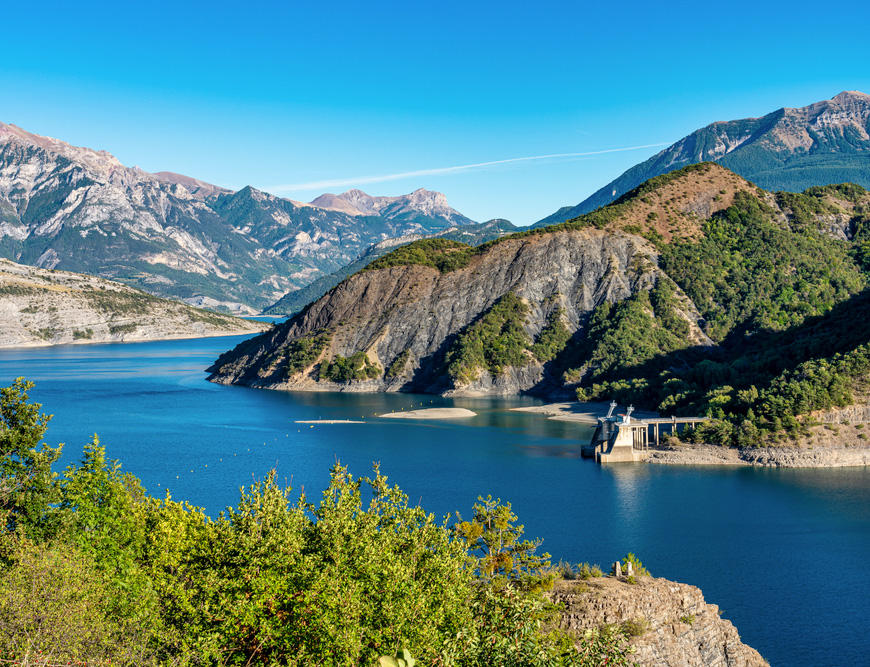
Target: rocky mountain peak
(99, 161)
(420, 202)
(788, 149)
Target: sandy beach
(431, 413)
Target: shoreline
(807, 456)
(574, 411)
(35, 344)
(824, 451)
(431, 413)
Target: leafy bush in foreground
(93, 570)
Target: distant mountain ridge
(421, 203)
(789, 149)
(79, 209)
(473, 235)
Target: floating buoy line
(311, 424)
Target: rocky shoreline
(829, 445)
(806, 456)
(42, 307)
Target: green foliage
(442, 254)
(303, 352)
(56, 608)
(553, 337)
(104, 516)
(750, 272)
(27, 484)
(628, 333)
(397, 368)
(636, 565)
(344, 369)
(688, 619)
(495, 341)
(587, 571)
(406, 660)
(495, 539)
(582, 571)
(635, 627)
(122, 328)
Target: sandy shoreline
(431, 413)
(328, 421)
(573, 411)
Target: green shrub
(494, 342)
(397, 368)
(636, 565)
(303, 352)
(586, 571)
(344, 369)
(553, 338)
(635, 627)
(442, 254)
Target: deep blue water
(783, 552)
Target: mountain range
(79, 209)
(788, 149)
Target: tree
(494, 537)
(27, 483)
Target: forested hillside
(695, 293)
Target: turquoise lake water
(783, 552)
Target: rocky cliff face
(74, 208)
(788, 149)
(672, 623)
(416, 311)
(474, 234)
(45, 307)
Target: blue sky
(298, 94)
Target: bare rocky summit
(420, 204)
(46, 307)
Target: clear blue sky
(298, 93)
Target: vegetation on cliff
(497, 340)
(344, 369)
(752, 273)
(303, 352)
(442, 254)
(785, 302)
(93, 570)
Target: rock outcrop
(670, 623)
(45, 307)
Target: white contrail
(360, 180)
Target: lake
(782, 552)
